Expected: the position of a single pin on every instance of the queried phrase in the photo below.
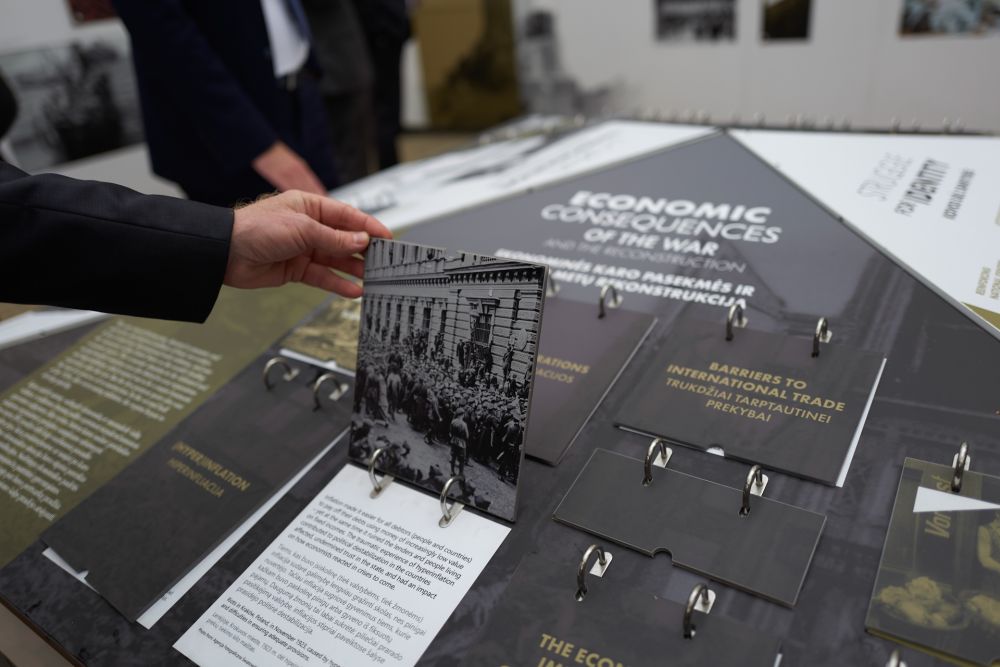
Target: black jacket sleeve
(83, 244)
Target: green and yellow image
(332, 336)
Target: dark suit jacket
(83, 244)
(210, 101)
(340, 48)
(8, 107)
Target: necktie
(298, 15)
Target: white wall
(28, 24)
(854, 66)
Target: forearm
(82, 244)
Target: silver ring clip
(599, 568)
(289, 374)
(656, 454)
(754, 486)
(339, 389)
(379, 484)
(702, 599)
(449, 510)
(822, 335)
(615, 302)
(735, 318)
(960, 463)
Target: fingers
(332, 243)
(319, 276)
(339, 215)
(286, 170)
(349, 265)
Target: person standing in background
(8, 114)
(230, 103)
(347, 83)
(386, 24)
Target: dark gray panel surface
(141, 532)
(586, 355)
(814, 446)
(697, 522)
(618, 623)
(939, 387)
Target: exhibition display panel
(692, 402)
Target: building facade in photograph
(467, 308)
(446, 362)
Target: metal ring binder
(288, 375)
(449, 512)
(895, 660)
(735, 318)
(551, 287)
(378, 485)
(822, 335)
(700, 591)
(755, 478)
(339, 390)
(960, 464)
(581, 573)
(651, 455)
(616, 300)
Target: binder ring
(651, 455)
(551, 287)
(339, 389)
(581, 573)
(822, 335)
(961, 463)
(287, 376)
(895, 660)
(700, 591)
(449, 510)
(616, 300)
(735, 318)
(378, 484)
(754, 478)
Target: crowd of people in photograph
(461, 404)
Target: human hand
(299, 237)
(283, 168)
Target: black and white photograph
(950, 17)
(74, 100)
(446, 361)
(695, 20)
(547, 86)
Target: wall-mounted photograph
(950, 17)
(695, 20)
(74, 101)
(786, 19)
(547, 86)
